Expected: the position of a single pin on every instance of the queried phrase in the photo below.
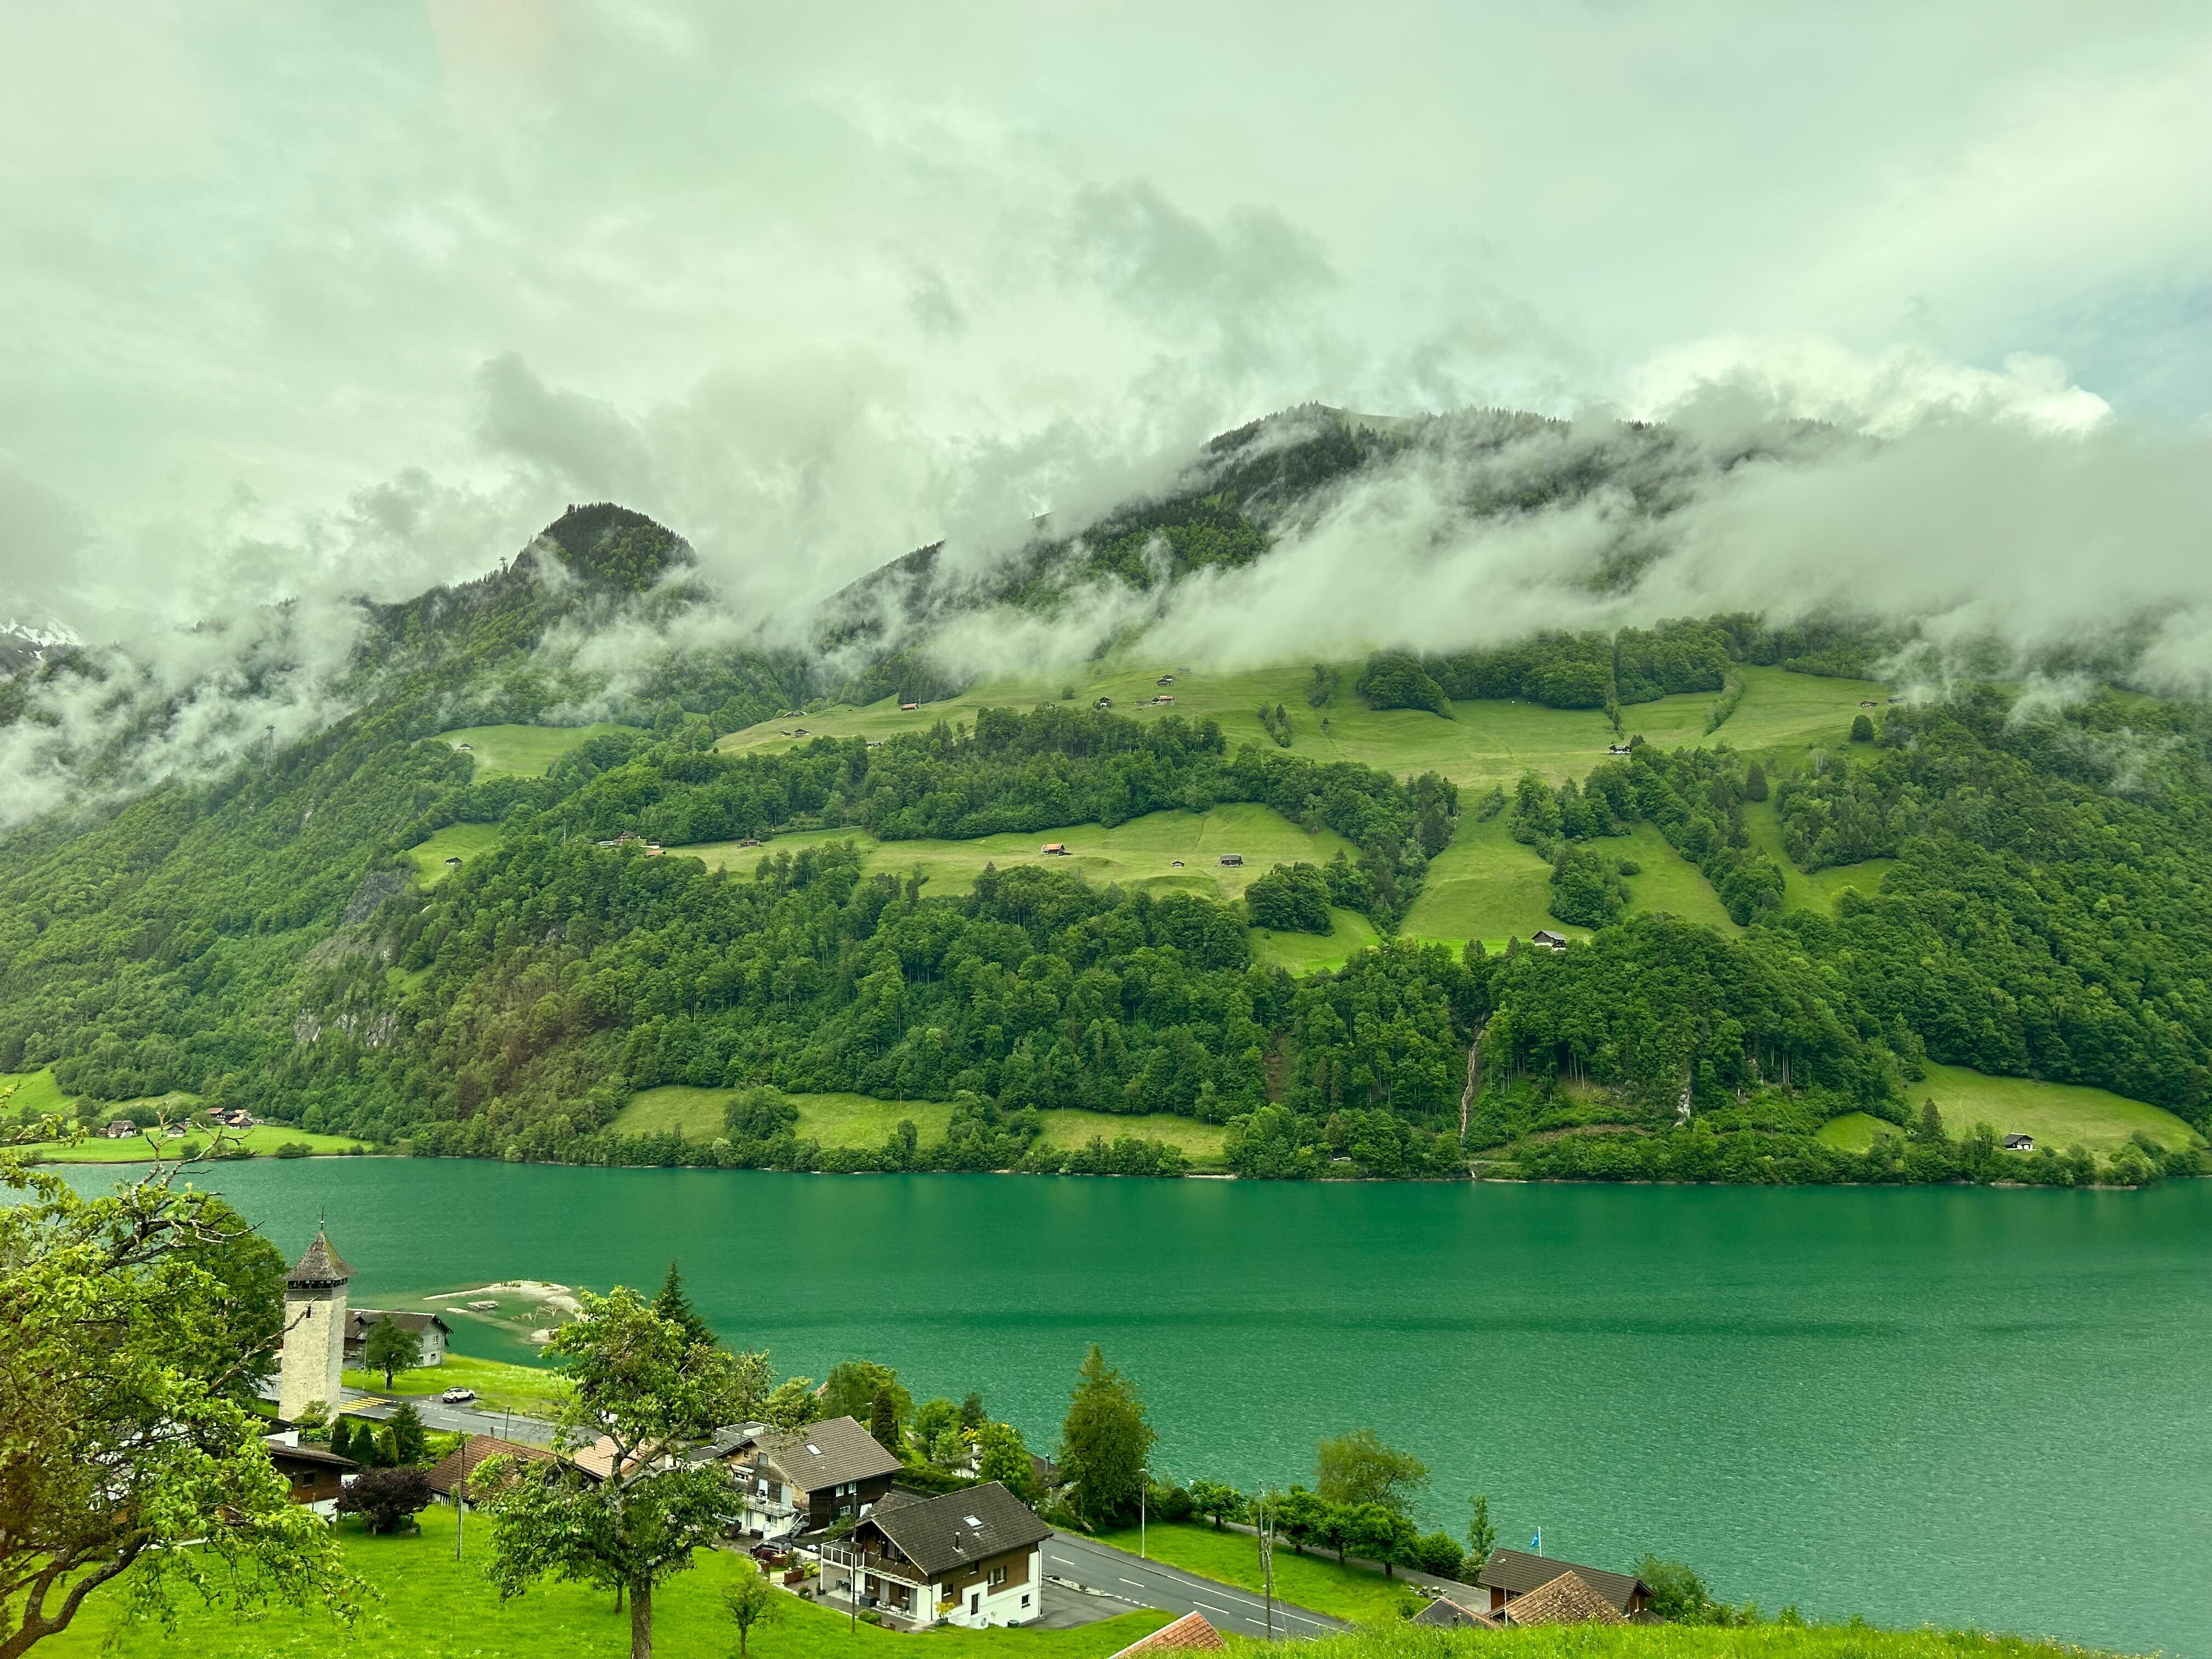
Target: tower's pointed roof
(319, 1265)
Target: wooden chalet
(970, 1558)
(803, 1480)
(1509, 1575)
(317, 1475)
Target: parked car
(458, 1396)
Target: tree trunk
(641, 1620)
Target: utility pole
(461, 1500)
(1143, 1486)
(1267, 1563)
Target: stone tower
(314, 1329)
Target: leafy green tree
(1003, 1457)
(387, 1499)
(852, 1389)
(674, 1305)
(934, 1420)
(1290, 898)
(1481, 1535)
(643, 1391)
(972, 1414)
(792, 1404)
(1379, 1533)
(1437, 1552)
(1928, 1128)
(1104, 1442)
(137, 1326)
(1216, 1501)
(1300, 1517)
(390, 1347)
(342, 1437)
(751, 1601)
(1862, 729)
(1358, 1469)
(1679, 1596)
(1586, 888)
(1754, 782)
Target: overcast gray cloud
(303, 300)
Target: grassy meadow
(528, 750)
(260, 1141)
(1818, 890)
(456, 841)
(1485, 742)
(864, 1120)
(499, 1386)
(1144, 852)
(1349, 934)
(2055, 1113)
(1485, 885)
(423, 1602)
(1774, 1641)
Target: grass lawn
(527, 750)
(1312, 1580)
(1142, 852)
(1485, 885)
(1200, 1142)
(865, 1120)
(260, 1141)
(1818, 890)
(695, 1113)
(1485, 742)
(1304, 952)
(456, 841)
(2055, 1113)
(1774, 1641)
(500, 1386)
(429, 1604)
(34, 1093)
(1855, 1132)
(1665, 881)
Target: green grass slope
(259, 1142)
(1485, 885)
(456, 841)
(1200, 1142)
(2055, 1113)
(526, 750)
(1484, 744)
(427, 1604)
(1142, 851)
(1777, 1641)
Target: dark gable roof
(319, 1265)
(459, 1464)
(1516, 1573)
(938, 1535)
(319, 1456)
(827, 1454)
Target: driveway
(1116, 1573)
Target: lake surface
(1948, 1405)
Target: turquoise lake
(1941, 1405)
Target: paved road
(1148, 1585)
(360, 1402)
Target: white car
(458, 1396)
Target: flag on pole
(1536, 1544)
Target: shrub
(1862, 729)
(386, 1499)
(294, 1149)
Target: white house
(969, 1558)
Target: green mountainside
(1798, 903)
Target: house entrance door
(974, 1601)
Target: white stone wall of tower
(313, 1363)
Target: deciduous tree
(644, 1391)
(751, 1600)
(133, 1330)
(390, 1347)
(1359, 1468)
(386, 1499)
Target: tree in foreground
(751, 1600)
(1358, 1469)
(852, 1386)
(882, 1422)
(642, 1390)
(134, 1329)
(1104, 1443)
(411, 1441)
(391, 1347)
(387, 1499)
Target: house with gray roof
(970, 1558)
(794, 1481)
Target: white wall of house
(1016, 1601)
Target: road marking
(1131, 1581)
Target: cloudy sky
(301, 299)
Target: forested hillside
(279, 939)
